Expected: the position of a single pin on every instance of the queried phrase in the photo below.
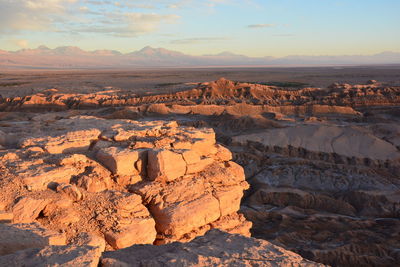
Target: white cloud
(73, 16)
(128, 24)
(124, 18)
(17, 15)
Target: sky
(200, 27)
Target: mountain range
(74, 57)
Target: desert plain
(200, 167)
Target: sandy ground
(19, 82)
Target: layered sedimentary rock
(113, 169)
(122, 180)
(350, 141)
(329, 198)
(214, 96)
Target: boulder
(165, 165)
(27, 209)
(71, 191)
(89, 239)
(139, 231)
(178, 212)
(120, 161)
(135, 225)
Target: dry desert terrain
(171, 167)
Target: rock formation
(83, 173)
(124, 180)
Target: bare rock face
(329, 185)
(350, 142)
(81, 256)
(165, 165)
(27, 209)
(73, 141)
(118, 160)
(16, 237)
(135, 225)
(124, 181)
(180, 212)
(216, 248)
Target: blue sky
(249, 27)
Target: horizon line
(202, 55)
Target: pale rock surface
(16, 237)
(73, 141)
(165, 165)
(27, 209)
(180, 182)
(135, 225)
(63, 256)
(216, 248)
(71, 191)
(348, 141)
(119, 161)
(88, 239)
(6, 217)
(178, 211)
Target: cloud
(21, 43)
(139, 23)
(199, 40)
(116, 18)
(128, 24)
(122, 18)
(257, 26)
(34, 15)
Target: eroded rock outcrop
(351, 142)
(333, 204)
(104, 171)
(124, 180)
(218, 97)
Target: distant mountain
(150, 52)
(75, 57)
